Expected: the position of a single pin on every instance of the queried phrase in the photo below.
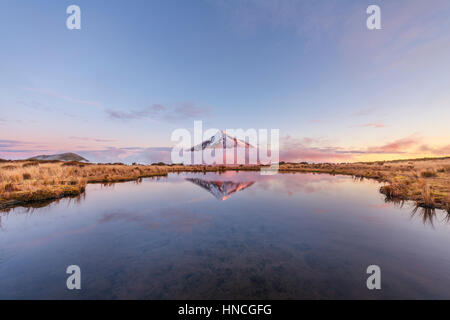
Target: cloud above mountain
(185, 110)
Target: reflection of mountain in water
(222, 190)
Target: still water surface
(228, 236)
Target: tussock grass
(427, 197)
(23, 182)
(425, 181)
(392, 191)
(33, 181)
(428, 174)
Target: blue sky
(137, 70)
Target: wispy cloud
(186, 110)
(22, 151)
(91, 139)
(16, 149)
(318, 150)
(397, 146)
(4, 144)
(373, 125)
(414, 36)
(314, 155)
(441, 151)
(412, 30)
(308, 19)
(144, 113)
(364, 112)
(35, 105)
(64, 97)
(311, 149)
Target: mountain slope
(61, 157)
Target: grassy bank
(425, 181)
(23, 182)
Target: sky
(116, 89)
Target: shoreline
(23, 182)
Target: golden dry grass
(25, 181)
(425, 181)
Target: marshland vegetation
(425, 181)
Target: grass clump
(26, 176)
(428, 174)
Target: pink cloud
(91, 139)
(397, 146)
(444, 150)
(305, 149)
(321, 150)
(373, 125)
(314, 155)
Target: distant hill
(61, 157)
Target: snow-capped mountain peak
(221, 140)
